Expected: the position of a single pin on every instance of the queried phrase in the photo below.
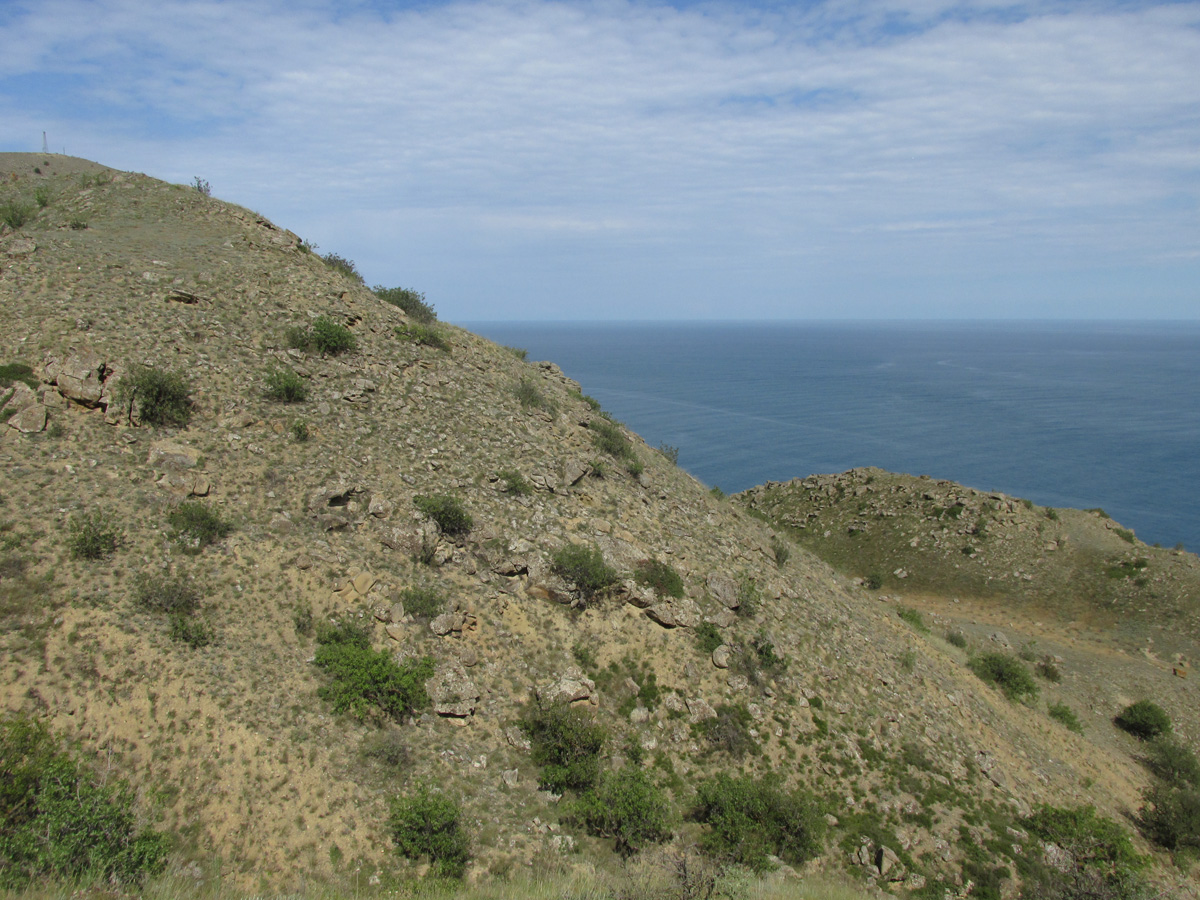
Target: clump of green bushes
(422, 335)
(430, 825)
(729, 731)
(585, 568)
(1099, 859)
(93, 535)
(161, 397)
(1062, 713)
(422, 601)
(285, 386)
(325, 336)
(912, 618)
(197, 526)
(15, 371)
(708, 637)
(366, 682)
(608, 438)
(59, 821)
(1144, 719)
(515, 483)
(629, 808)
(566, 742)
(412, 302)
(447, 513)
(751, 819)
(1005, 672)
(659, 575)
(340, 264)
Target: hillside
(767, 661)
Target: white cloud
(897, 135)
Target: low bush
(956, 638)
(423, 335)
(1098, 858)
(430, 825)
(1170, 817)
(166, 594)
(708, 637)
(1047, 668)
(93, 535)
(412, 302)
(627, 807)
(529, 395)
(331, 338)
(1173, 761)
(386, 747)
(15, 214)
(659, 575)
(1005, 672)
(58, 821)
(15, 371)
(780, 550)
(1144, 719)
(423, 602)
(354, 632)
(729, 730)
(566, 743)
(189, 630)
(447, 512)
(341, 264)
(515, 483)
(202, 186)
(912, 618)
(749, 596)
(196, 526)
(286, 386)
(608, 438)
(1063, 714)
(366, 682)
(585, 568)
(41, 196)
(300, 431)
(161, 397)
(749, 820)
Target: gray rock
(447, 623)
(720, 658)
(170, 455)
(724, 590)
(79, 376)
(452, 691)
(29, 420)
(571, 687)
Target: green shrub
(430, 825)
(730, 730)
(1005, 672)
(355, 633)
(196, 526)
(1060, 712)
(749, 820)
(162, 398)
(515, 483)
(189, 630)
(627, 807)
(447, 512)
(15, 214)
(1171, 817)
(298, 337)
(41, 196)
(93, 535)
(1047, 668)
(1099, 859)
(164, 594)
(519, 352)
(1173, 761)
(423, 602)
(422, 335)
(585, 568)
(566, 743)
(58, 821)
(913, 618)
(387, 747)
(659, 575)
(367, 682)
(286, 386)
(529, 395)
(343, 265)
(708, 637)
(15, 371)
(331, 338)
(300, 431)
(669, 453)
(749, 596)
(202, 186)
(608, 438)
(1143, 719)
(412, 302)
(956, 638)
(780, 550)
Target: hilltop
(338, 469)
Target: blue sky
(645, 160)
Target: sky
(629, 159)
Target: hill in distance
(188, 589)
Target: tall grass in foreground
(639, 882)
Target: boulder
(80, 376)
(170, 455)
(724, 590)
(570, 688)
(720, 658)
(452, 691)
(29, 420)
(682, 613)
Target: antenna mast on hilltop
(45, 146)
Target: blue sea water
(1065, 414)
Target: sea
(1066, 414)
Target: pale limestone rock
(724, 590)
(452, 691)
(29, 420)
(720, 658)
(171, 455)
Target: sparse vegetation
(1005, 672)
(1173, 761)
(197, 526)
(93, 535)
(15, 214)
(299, 431)
(15, 371)
(913, 618)
(530, 396)
(585, 568)
(956, 638)
(286, 386)
(750, 820)
(412, 302)
(190, 630)
(166, 594)
(669, 453)
(422, 335)
(515, 483)
(161, 397)
(780, 550)
(1098, 859)
(1144, 719)
(59, 821)
(201, 186)
(430, 825)
(730, 730)
(422, 601)
(608, 438)
(341, 264)
(447, 513)
(1062, 713)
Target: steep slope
(229, 744)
